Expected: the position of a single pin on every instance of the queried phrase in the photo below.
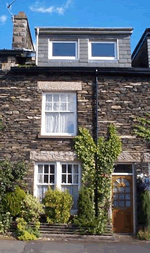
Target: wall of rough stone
(21, 32)
(119, 99)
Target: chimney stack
(21, 32)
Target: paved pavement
(129, 246)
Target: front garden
(19, 207)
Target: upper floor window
(102, 50)
(59, 114)
(63, 50)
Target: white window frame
(57, 177)
(99, 57)
(43, 132)
(50, 54)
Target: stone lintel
(57, 86)
(129, 156)
(46, 156)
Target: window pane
(128, 203)
(127, 189)
(52, 122)
(115, 203)
(46, 170)
(52, 179)
(56, 98)
(75, 179)
(63, 97)
(73, 190)
(63, 107)
(41, 190)
(49, 98)
(46, 179)
(40, 178)
(63, 168)
(70, 179)
(69, 168)
(121, 203)
(71, 97)
(52, 167)
(40, 168)
(127, 196)
(48, 107)
(121, 196)
(121, 189)
(71, 106)
(115, 196)
(63, 178)
(75, 168)
(56, 107)
(103, 49)
(67, 122)
(63, 49)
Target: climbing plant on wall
(142, 129)
(107, 151)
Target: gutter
(82, 70)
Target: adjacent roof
(140, 43)
(83, 30)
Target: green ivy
(143, 127)
(107, 152)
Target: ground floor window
(57, 175)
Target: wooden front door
(122, 203)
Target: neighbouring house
(42, 107)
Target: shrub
(143, 234)
(13, 201)
(86, 219)
(24, 231)
(57, 206)
(146, 208)
(5, 222)
(31, 208)
(86, 211)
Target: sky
(76, 13)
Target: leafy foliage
(106, 152)
(143, 128)
(11, 175)
(86, 211)
(143, 234)
(25, 232)
(31, 208)
(57, 206)
(13, 200)
(5, 222)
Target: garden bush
(13, 200)
(86, 219)
(86, 212)
(25, 232)
(143, 234)
(5, 222)
(31, 208)
(57, 206)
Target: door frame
(134, 199)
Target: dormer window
(102, 50)
(63, 50)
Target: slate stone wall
(120, 98)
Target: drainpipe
(96, 141)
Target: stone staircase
(47, 230)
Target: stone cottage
(42, 107)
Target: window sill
(55, 137)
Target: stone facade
(119, 100)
